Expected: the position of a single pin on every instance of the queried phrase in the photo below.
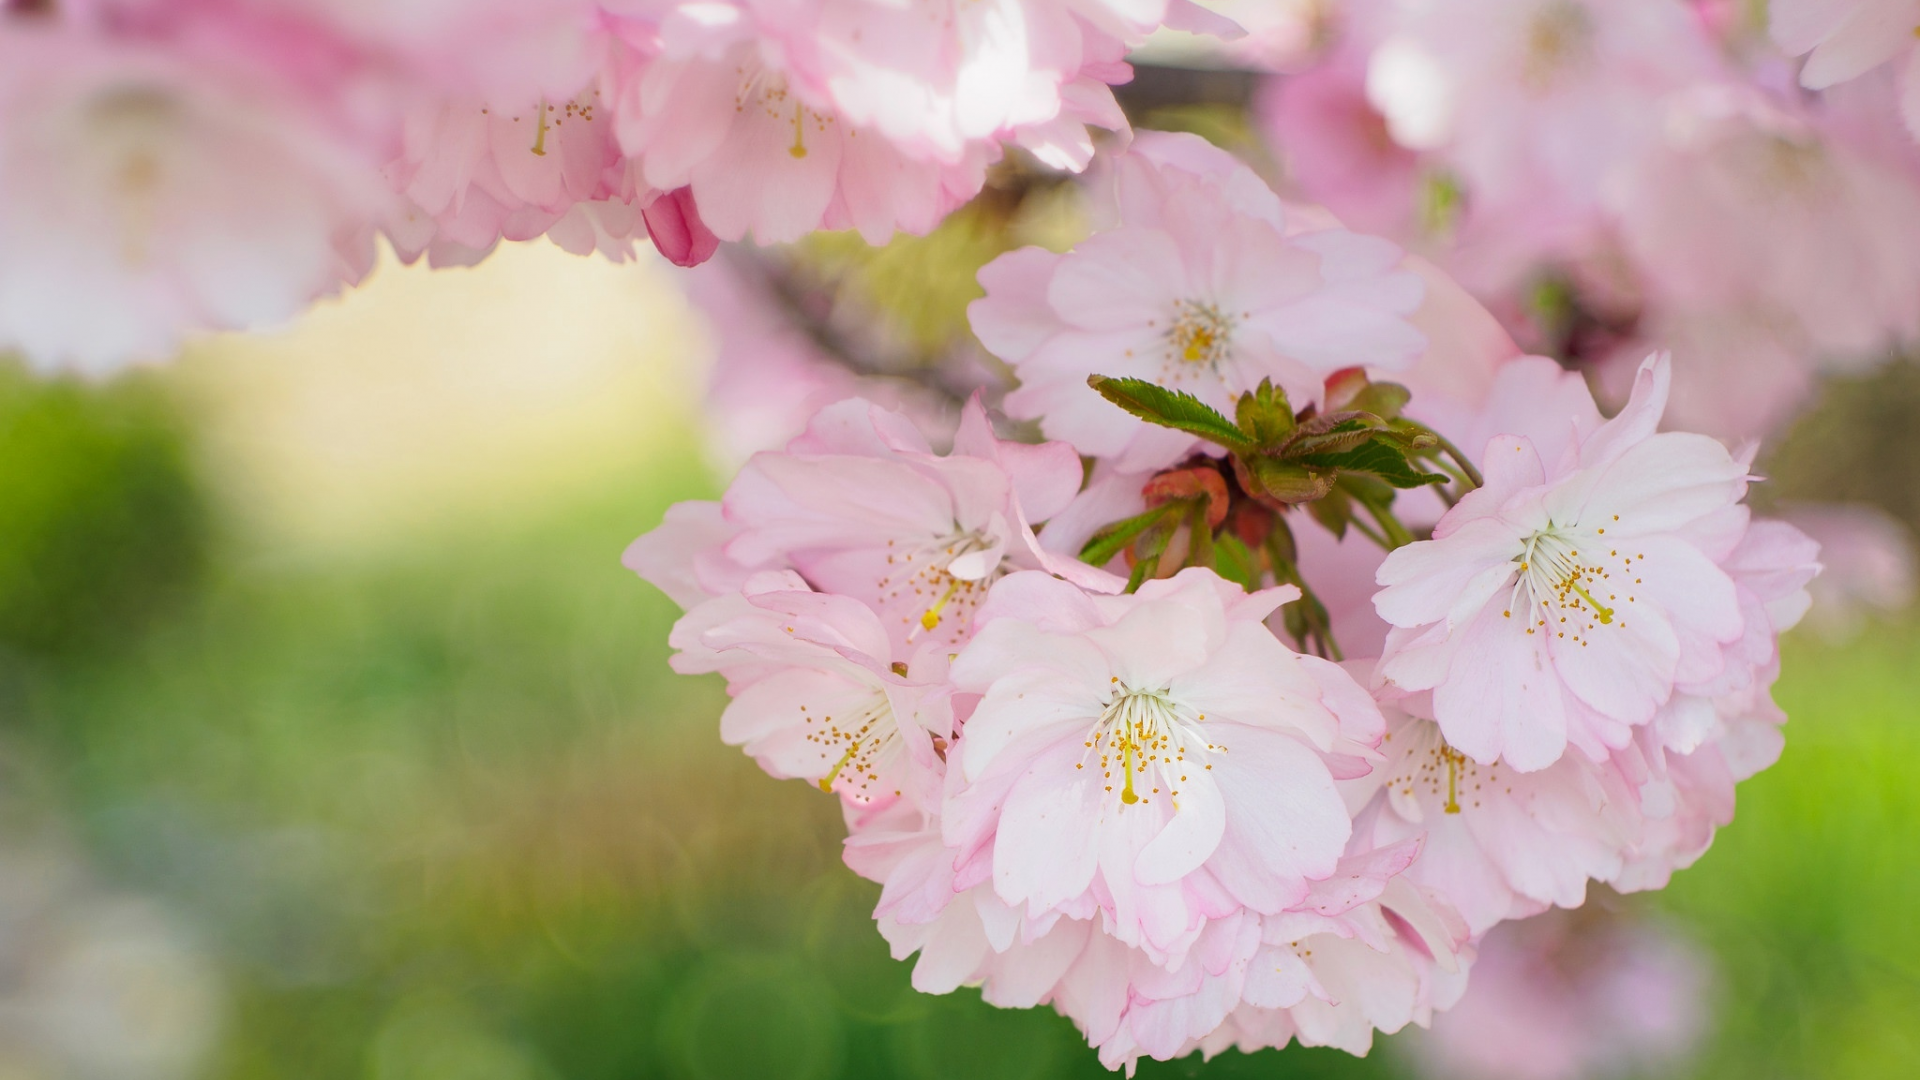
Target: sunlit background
(337, 743)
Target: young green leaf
(1265, 415)
(1377, 458)
(1110, 539)
(1170, 408)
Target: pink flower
(1500, 844)
(817, 690)
(1867, 560)
(147, 197)
(1747, 213)
(844, 113)
(475, 174)
(1154, 758)
(1534, 104)
(1717, 731)
(1846, 38)
(1199, 288)
(1571, 996)
(1337, 149)
(1563, 602)
(862, 507)
(1333, 978)
(685, 556)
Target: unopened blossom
(1844, 39)
(1199, 288)
(147, 198)
(818, 690)
(1158, 760)
(1571, 996)
(862, 507)
(1564, 606)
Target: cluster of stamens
(918, 584)
(1445, 774)
(858, 745)
(764, 90)
(1145, 743)
(1567, 589)
(1198, 339)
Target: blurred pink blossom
(1571, 996)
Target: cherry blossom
(148, 197)
(1200, 288)
(1843, 39)
(1564, 606)
(817, 691)
(861, 506)
(1126, 756)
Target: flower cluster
(1085, 704)
(1730, 182)
(174, 165)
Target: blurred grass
(438, 808)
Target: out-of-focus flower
(1200, 288)
(1746, 210)
(853, 114)
(1154, 758)
(147, 196)
(1571, 996)
(1867, 561)
(1563, 602)
(1844, 39)
(1533, 103)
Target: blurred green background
(336, 743)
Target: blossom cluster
(174, 165)
(1240, 711)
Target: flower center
(1150, 741)
(860, 744)
(920, 585)
(1201, 334)
(1433, 769)
(1568, 584)
(767, 90)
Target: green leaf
(1265, 415)
(1335, 511)
(1282, 482)
(1170, 408)
(1331, 434)
(1108, 540)
(1377, 458)
(1199, 535)
(1232, 560)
